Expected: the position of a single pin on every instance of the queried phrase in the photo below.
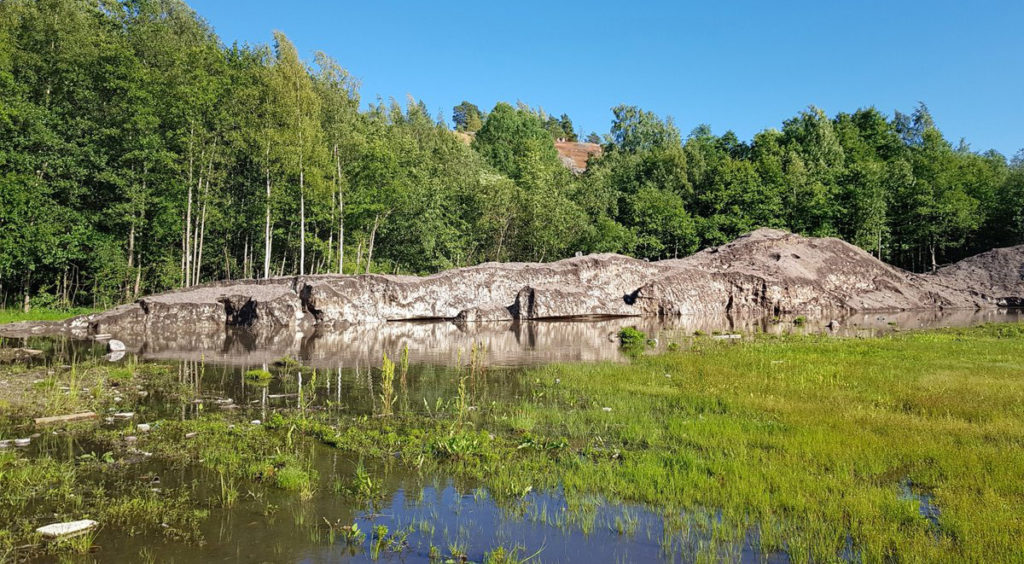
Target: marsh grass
(387, 386)
(258, 377)
(900, 448)
(811, 453)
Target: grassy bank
(903, 448)
(42, 314)
(900, 448)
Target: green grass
(42, 314)
(819, 447)
(809, 441)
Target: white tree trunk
(267, 234)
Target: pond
(412, 515)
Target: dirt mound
(998, 273)
(767, 272)
(834, 270)
(575, 155)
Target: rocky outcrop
(765, 273)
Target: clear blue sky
(743, 66)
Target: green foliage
(258, 377)
(630, 337)
(467, 117)
(387, 385)
(138, 154)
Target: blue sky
(737, 65)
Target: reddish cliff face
(575, 155)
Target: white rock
(64, 530)
(255, 421)
(6, 444)
(22, 442)
(606, 409)
(124, 415)
(143, 427)
(115, 356)
(190, 435)
(114, 345)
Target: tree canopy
(138, 153)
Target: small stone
(606, 409)
(255, 421)
(191, 435)
(143, 427)
(22, 442)
(6, 444)
(124, 415)
(668, 375)
(115, 356)
(117, 399)
(130, 439)
(114, 345)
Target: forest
(139, 153)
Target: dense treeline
(138, 153)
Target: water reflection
(510, 343)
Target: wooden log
(65, 418)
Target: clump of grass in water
(630, 337)
(387, 386)
(258, 377)
(502, 555)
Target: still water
(420, 511)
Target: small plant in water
(631, 337)
(258, 377)
(364, 486)
(387, 385)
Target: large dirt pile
(998, 273)
(820, 274)
(767, 272)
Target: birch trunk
(267, 233)
(369, 247)
(341, 241)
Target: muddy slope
(998, 273)
(767, 272)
